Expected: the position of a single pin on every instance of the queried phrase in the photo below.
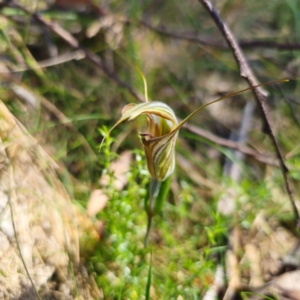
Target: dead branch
(193, 38)
(264, 158)
(182, 36)
(258, 93)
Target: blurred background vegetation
(67, 102)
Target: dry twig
(264, 158)
(193, 38)
(259, 95)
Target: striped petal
(159, 139)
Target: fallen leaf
(97, 202)
(119, 168)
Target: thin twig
(264, 158)
(193, 38)
(53, 61)
(182, 36)
(270, 44)
(259, 95)
(69, 39)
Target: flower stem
(154, 191)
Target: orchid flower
(159, 138)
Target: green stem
(154, 191)
(148, 231)
(148, 287)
